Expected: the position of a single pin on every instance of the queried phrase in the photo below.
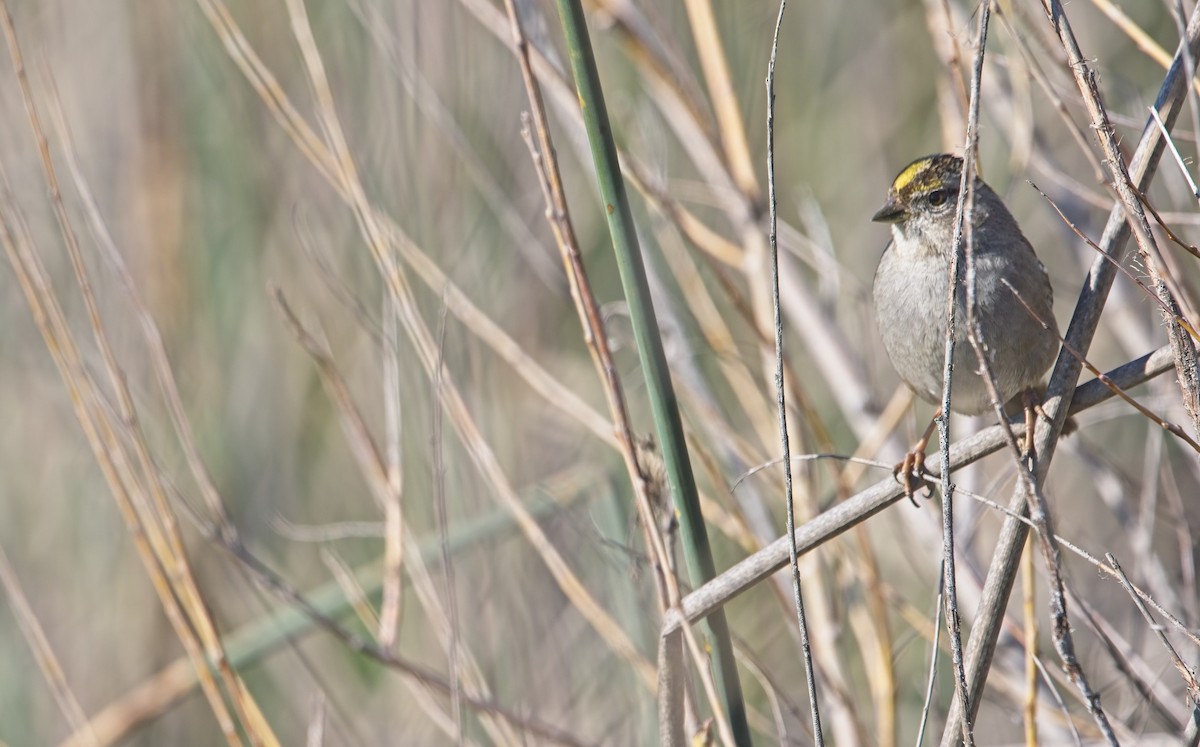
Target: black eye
(938, 197)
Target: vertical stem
(650, 351)
(780, 396)
(963, 223)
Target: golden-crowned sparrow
(910, 291)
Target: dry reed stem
(393, 507)
(374, 471)
(155, 694)
(1119, 649)
(648, 45)
(715, 65)
(101, 438)
(452, 623)
(963, 251)
(287, 115)
(351, 589)
(138, 489)
(379, 480)
(719, 338)
(381, 237)
(1031, 648)
(137, 705)
(417, 85)
(154, 342)
(837, 362)
(1136, 34)
(276, 586)
(468, 431)
(107, 446)
(1050, 91)
(1129, 275)
(941, 23)
(781, 408)
(702, 429)
(43, 653)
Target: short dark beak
(891, 212)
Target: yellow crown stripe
(914, 171)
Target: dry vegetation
(303, 439)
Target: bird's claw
(911, 474)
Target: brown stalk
(720, 90)
(392, 604)
(139, 490)
(419, 674)
(376, 238)
(371, 466)
(43, 653)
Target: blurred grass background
(209, 201)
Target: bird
(1014, 299)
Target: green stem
(663, 405)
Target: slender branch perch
(864, 505)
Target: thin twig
(374, 471)
(1093, 561)
(48, 662)
(933, 657)
(1064, 644)
(1060, 393)
(1189, 66)
(1150, 415)
(1031, 650)
(963, 244)
(780, 393)
(1175, 152)
(381, 238)
(122, 447)
(1085, 78)
(440, 517)
(273, 583)
(1120, 267)
(1159, 218)
(1189, 677)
